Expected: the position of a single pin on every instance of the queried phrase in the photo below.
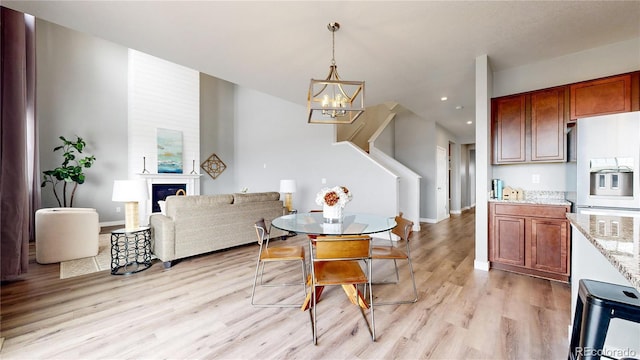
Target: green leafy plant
(71, 170)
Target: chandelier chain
(330, 100)
(333, 47)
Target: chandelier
(333, 100)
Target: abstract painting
(169, 151)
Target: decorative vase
(332, 214)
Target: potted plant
(71, 170)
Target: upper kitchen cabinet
(610, 95)
(548, 114)
(530, 127)
(509, 129)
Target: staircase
(373, 132)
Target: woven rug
(89, 265)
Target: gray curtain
(19, 193)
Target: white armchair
(65, 234)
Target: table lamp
(130, 192)
(288, 187)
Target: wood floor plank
(200, 308)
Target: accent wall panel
(163, 95)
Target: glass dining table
(353, 224)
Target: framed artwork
(169, 151)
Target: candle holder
(144, 165)
(193, 167)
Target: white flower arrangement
(338, 195)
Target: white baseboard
(455, 212)
(430, 221)
(111, 223)
(481, 265)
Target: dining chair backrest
(404, 227)
(342, 247)
(261, 231)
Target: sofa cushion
(240, 198)
(175, 202)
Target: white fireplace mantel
(192, 182)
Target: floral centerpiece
(333, 200)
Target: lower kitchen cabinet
(530, 239)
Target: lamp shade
(287, 186)
(130, 190)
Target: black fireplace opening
(161, 191)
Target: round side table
(130, 250)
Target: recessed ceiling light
(444, 98)
(459, 107)
(469, 122)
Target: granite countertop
(539, 197)
(562, 202)
(616, 237)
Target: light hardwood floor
(199, 309)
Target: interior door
(442, 211)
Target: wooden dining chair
(268, 254)
(395, 251)
(336, 260)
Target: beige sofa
(193, 225)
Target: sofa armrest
(164, 237)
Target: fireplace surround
(161, 191)
(163, 185)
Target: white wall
(384, 138)
(382, 148)
(415, 140)
(409, 185)
(471, 186)
(81, 89)
(612, 59)
(467, 176)
(445, 139)
(273, 141)
(483, 158)
(553, 177)
(217, 114)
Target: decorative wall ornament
(169, 151)
(213, 166)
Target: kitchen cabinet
(508, 240)
(610, 95)
(549, 245)
(548, 139)
(509, 129)
(530, 127)
(531, 239)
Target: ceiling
(412, 52)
